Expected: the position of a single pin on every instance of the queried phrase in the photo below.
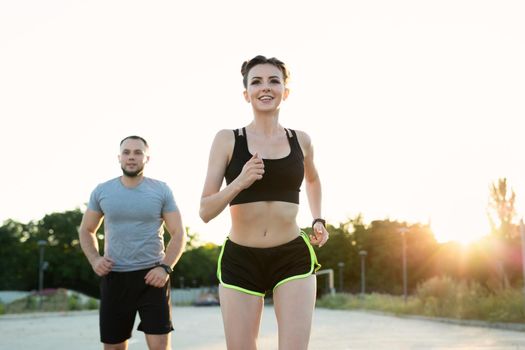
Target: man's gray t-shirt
(133, 221)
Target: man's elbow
(83, 232)
(183, 240)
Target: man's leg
(155, 316)
(120, 346)
(159, 341)
(116, 318)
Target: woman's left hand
(319, 235)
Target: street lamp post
(522, 234)
(403, 231)
(362, 254)
(41, 265)
(341, 265)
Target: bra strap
(294, 140)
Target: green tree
(198, 264)
(502, 213)
(340, 248)
(18, 256)
(502, 210)
(68, 267)
(382, 241)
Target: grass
(50, 300)
(440, 297)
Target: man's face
(133, 156)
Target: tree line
(495, 261)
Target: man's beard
(133, 173)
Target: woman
(264, 165)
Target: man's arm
(173, 223)
(88, 242)
(157, 277)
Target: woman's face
(265, 89)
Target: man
(134, 268)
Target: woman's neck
(265, 124)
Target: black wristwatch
(166, 268)
(322, 221)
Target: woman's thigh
(241, 315)
(294, 303)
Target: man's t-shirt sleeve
(169, 201)
(94, 203)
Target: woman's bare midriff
(264, 224)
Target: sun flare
(462, 232)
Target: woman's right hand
(252, 171)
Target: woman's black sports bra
(282, 177)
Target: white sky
(414, 107)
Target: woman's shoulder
(224, 138)
(302, 137)
(225, 134)
(304, 141)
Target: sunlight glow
(464, 233)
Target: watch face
(166, 268)
(322, 221)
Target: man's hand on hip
(102, 265)
(156, 277)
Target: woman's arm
(213, 199)
(313, 189)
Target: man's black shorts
(122, 294)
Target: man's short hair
(134, 137)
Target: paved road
(201, 329)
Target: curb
(517, 327)
(33, 315)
